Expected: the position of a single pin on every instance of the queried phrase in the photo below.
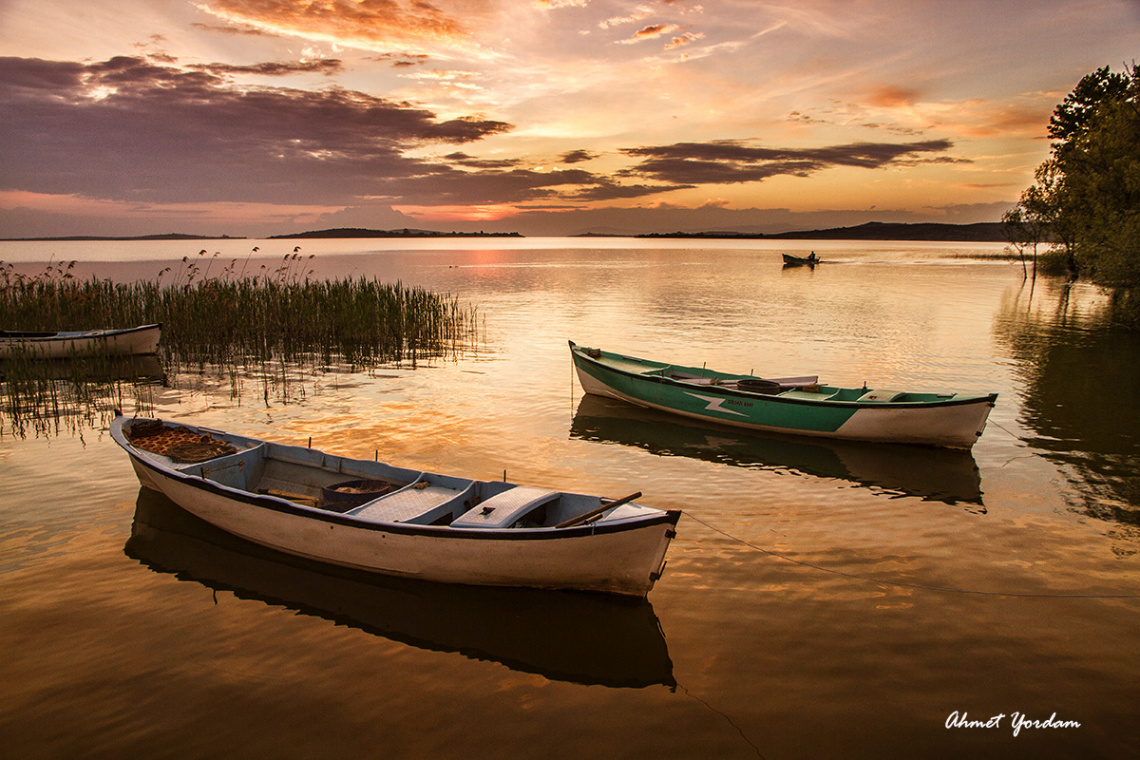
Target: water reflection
(1081, 396)
(932, 474)
(67, 395)
(581, 638)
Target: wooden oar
(595, 512)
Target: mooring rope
(902, 584)
(1000, 426)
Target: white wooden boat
(413, 524)
(602, 639)
(129, 341)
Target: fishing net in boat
(198, 451)
(180, 444)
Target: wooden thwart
(583, 518)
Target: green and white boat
(795, 405)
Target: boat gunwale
(579, 353)
(277, 504)
(42, 336)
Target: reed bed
(276, 316)
(266, 325)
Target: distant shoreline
(982, 232)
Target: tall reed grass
(270, 316)
(235, 322)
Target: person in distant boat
(811, 258)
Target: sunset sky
(548, 117)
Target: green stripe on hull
(713, 403)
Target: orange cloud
(376, 23)
(889, 96)
(473, 213)
(653, 31)
(684, 39)
(979, 118)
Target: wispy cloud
(684, 39)
(384, 25)
(732, 161)
(651, 32)
(328, 67)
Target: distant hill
(166, 236)
(344, 232)
(982, 232)
(356, 232)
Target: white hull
(955, 427)
(951, 427)
(136, 341)
(621, 553)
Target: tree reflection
(1080, 390)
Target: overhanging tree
(1087, 196)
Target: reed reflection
(54, 396)
(575, 637)
(1080, 394)
(931, 474)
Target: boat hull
(133, 341)
(619, 556)
(953, 423)
(799, 261)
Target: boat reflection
(576, 637)
(48, 397)
(86, 369)
(945, 475)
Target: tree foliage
(1086, 199)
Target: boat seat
(506, 508)
(686, 377)
(409, 504)
(795, 383)
(806, 395)
(881, 397)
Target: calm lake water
(820, 600)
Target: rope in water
(902, 584)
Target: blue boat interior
(301, 475)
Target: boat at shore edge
(127, 341)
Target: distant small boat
(129, 341)
(800, 261)
(797, 405)
(394, 521)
